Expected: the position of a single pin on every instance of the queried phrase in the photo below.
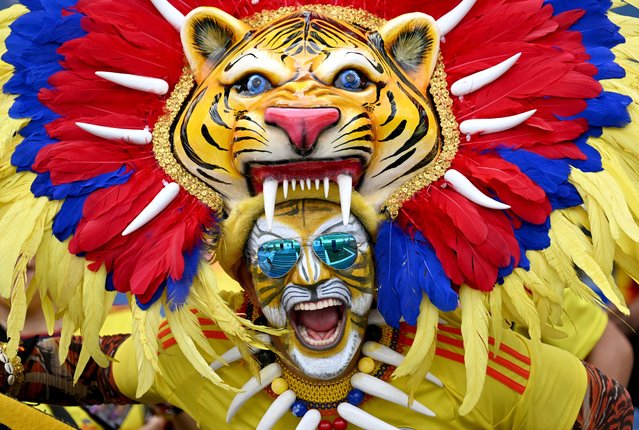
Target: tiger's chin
(314, 179)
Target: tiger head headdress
(307, 101)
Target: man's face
(325, 297)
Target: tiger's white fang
(494, 125)
(359, 417)
(482, 78)
(382, 353)
(278, 408)
(136, 82)
(137, 137)
(449, 21)
(252, 387)
(378, 388)
(463, 186)
(153, 209)
(169, 13)
(310, 420)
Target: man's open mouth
(318, 325)
(316, 174)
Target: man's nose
(309, 269)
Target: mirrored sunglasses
(277, 257)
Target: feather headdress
(538, 184)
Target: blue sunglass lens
(336, 250)
(277, 257)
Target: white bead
(3, 358)
(8, 367)
(11, 379)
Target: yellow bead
(366, 365)
(279, 385)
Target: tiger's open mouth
(318, 325)
(268, 178)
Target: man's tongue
(319, 321)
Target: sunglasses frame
(308, 243)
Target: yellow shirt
(521, 391)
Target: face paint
(314, 276)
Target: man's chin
(326, 364)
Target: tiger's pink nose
(302, 125)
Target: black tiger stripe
(352, 120)
(365, 138)
(190, 153)
(243, 138)
(251, 120)
(420, 130)
(250, 130)
(211, 178)
(366, 149)
(209, 139)
(215, 115)
(393, 106)
(238, 153)
(366, 127)
(396, 131)
(288, 40)
(395, 164)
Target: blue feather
(407, 278)
(551, 175)
(154, 298)
(593, 161)
(178, 289)
(433, 280)
(68, 217)
(42, 185)
(387, 254)
(25, 153)
(108, 285)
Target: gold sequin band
(164, 153)
(450, 135)
(13, 369)
(359, 17)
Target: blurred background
(5, 3)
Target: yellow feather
(602, 187)
(523, 308)
(185, 330)
(474, 328)
(578, 249)
(497, 322)
(145, 332)
(420, 355)
(95, 299)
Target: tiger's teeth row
(270, 185)
(314, 306)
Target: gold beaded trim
(360, 17)
(317, 391)
(163, 151)
(13, 369)
(449, 131)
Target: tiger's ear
(412, 41)
(207, 34)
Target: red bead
(339, 424)
(325, 425)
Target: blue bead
(355, 397)
(299, 408)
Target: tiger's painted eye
(255, 84)
(350, 80)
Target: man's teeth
(345, 183)
(314, 306)
(332, 337)
(270, 185)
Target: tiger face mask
(307, 100)
(314, 276)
